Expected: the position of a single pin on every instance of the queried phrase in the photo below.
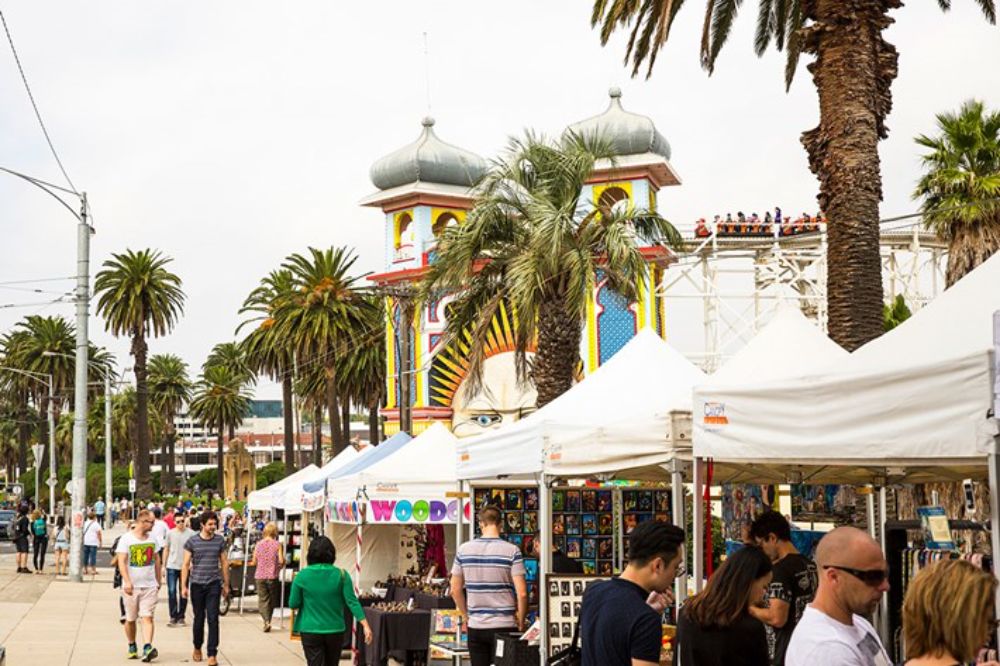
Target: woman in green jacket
(322, 595)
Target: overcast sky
(230, 134)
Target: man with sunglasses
(833, 631)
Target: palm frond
(722, 23)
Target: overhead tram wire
(34, 105)
(59, 279)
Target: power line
(7, 306)
(59, 279)
(38, 115)
(34, 290)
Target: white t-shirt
(141, 554)
(91, 531)
(819, 640)
(160, 530)
(175, 541)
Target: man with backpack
(21, 531)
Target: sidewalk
(56, 622)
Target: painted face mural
(501, 399)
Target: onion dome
(628, 133)
(428, 160)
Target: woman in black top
(715, 627)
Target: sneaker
(133, 652)
(171, 622)
(267, 627)
(181, 623)
(149, 654)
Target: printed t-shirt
(617, 626)
(175, 548)
(141, 553)
(793, 581)
(820, 640)
(489, 566)
(205, 558)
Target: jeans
(41, 545)
(176, 601)
(89, 556)
(205, 601)
(268, 592)
(322, 649)
(482, 644)
(100, 519)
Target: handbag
(569, 656)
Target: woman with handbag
(323, 597)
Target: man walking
(138, 558)
(100, 508)
(204, 576)
(793, 582)
(852, 577)
(491, 572)
(617, 626)
(173, 557)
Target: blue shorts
(90, 556)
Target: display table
(421, 599)
(403, 636)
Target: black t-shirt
(21, 528)
(793, 581)
(743, 643)
(616, 625)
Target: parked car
(7, 523)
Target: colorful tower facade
(425, 187)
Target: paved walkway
(44, 620)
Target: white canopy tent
(913, 405)
(262, 498)
(294, 498)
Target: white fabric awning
(262, 498)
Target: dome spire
(429, 160)
(629, 133)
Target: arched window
(444, 221)
(403, 222)
(614, 198)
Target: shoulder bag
(572, 655)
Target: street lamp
(78, 484)
(106, 371)
(38, 377)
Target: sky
(230, 134)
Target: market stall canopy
(616, 419)
(261, 499)
(420, 468)
(296, 498)
(369, 456)
(917, 397)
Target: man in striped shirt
(489, 588)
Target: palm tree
(137, 296)
(221, 401)
(311, 385)
(362, 371)
(171, 389)
(960, 187)
(531, 245)
(232, 356)
(325, 316)
(266, 352)
(853, 74)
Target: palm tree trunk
(220, 478)
(167, 467)
(22, 448)
(318, 434)
(345, 419)
(287, 409)
(373, 426)
(969, 246)
(333, 405)
(144, 485)
(853, 73)
(558, 350)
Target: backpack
(39, 527)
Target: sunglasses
(872, 577)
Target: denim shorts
(90, 556)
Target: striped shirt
(205, 565)
(489, 566)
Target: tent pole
(359, 536)
(677, 498)
(870, 502)
(288, 559)
(246, 555)
(884, 613)
(544, 560)
(993, 460)
(459, 526)
(698, 525)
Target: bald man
(852, 577)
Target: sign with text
(398, 511)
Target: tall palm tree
(232, 356)
(960, 187)
(531, 244)
(267, 352)
(325, 317)
(853, 74)
(137, 296)
(221, 401)
(171, 389)
(311, 385)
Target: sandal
(196, 655)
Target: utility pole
(79, 480)
(402, 295)
(53, 480)
(107, 441)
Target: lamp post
(38, 377)
(78, 484)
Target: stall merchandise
(519, 515)
(564, 599)
(402, 635)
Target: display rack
(290, 537)
(519, 511)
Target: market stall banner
(403, 511)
